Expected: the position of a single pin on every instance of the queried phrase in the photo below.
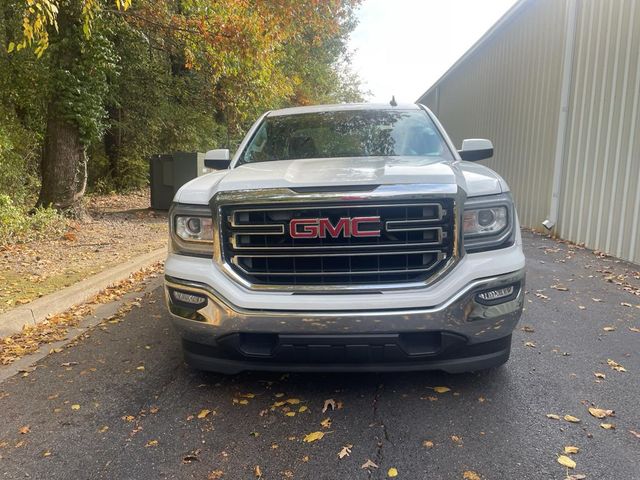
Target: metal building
(555, 84)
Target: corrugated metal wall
(508, 90)
(600, 205)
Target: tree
(127, 80)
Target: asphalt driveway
(120, 404)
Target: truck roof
(341, 107)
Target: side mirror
(474, 149)
(217, 159)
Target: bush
(17, 225)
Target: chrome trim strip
(371, 246)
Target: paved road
(135, 423)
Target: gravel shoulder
(119, 228)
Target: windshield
(346, 133)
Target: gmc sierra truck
(346, 238)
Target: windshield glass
(346, 133)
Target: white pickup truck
(346, 238)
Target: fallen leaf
(244, 401)
(293, 401)
(553, 416)
(616, 366)
(635, 434)
(203, 413)
(634, 329)
(302, 409)
(191, 457)
(392, 472)
(527, 328)
(427, 444)
(530, 344)
(470, 475)
(600, 412)
(152, 443)
(345, 452)
(626, 304)
(103, 429)
(313, 436)
(329, 403)
(600, 375)
(257, 472)
(597, 300)
(608, 426)
(141, 368)
(247, 395)
(441, 389)
(75, 406)
(154, 409)
(369, 464)
(290, 414)
(326, 423)
(609, 329)
(215, 475)
(566, 461)
(582, 307)
(569, 449)
(561, 288)
(572, 419)
(456, 439)
(24, 430)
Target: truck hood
(475, 179)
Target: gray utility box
(169, 172)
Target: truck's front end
(346, 238)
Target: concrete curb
(14, 320)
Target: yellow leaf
(553, 416)
(571, 449)
(313, 436)
(427, 444)
(152, 443)
(244, 402)
(141, 368)
(248, 395)
(302, 409)
(392, 472)
(600, 412)
(572, 419)
(293, 401)
(566, 461)
(470, 475)
(441, 389)
(257, 472)
(278, 404)
(103, 429)
(279, 395)
(11, 47)
(326, 423)
(75, 406)
(608, 426)
(290, 414)
(203, 413)
(616, 366)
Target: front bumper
(460, 334)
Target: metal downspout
(563, 115)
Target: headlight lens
(194, 229)
(191, 230)
(485, 220)
(488, 223)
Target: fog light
(498, 295)
(190, 300)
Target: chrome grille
(416, 239)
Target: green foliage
(158, 77)
(16, 225)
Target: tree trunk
(113, 144)
(63, 165)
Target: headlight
(191, 230)
(488, 223)
(195, 229)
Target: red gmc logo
(320, 227)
